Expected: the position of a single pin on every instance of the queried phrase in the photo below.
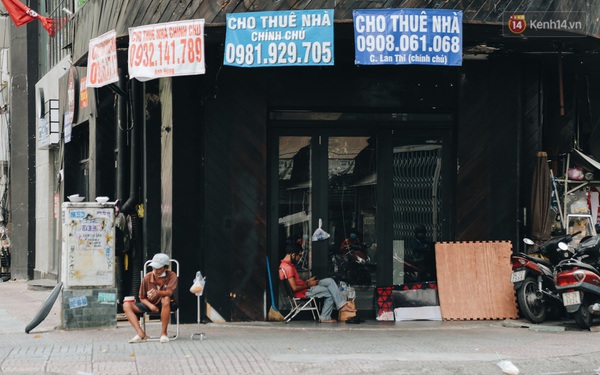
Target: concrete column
(24, 69)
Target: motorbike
(578, 281)
(352, 264)
(533, 277)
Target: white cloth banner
(594, 203)
(166, 50)
(102, 64)
(588, 159)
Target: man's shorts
(145, 309)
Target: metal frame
(201, 335)
(579, 184)
(299, 304)
(149, 316)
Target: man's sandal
(137, 339)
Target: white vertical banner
(166, 50)
(68, 126)
(102, 67)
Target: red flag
(57, 24)
(21, 14)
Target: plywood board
(474, 280)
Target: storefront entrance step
(41, 284)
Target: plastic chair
(153, 317)
(299, 304)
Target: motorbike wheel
(583, 317)
(532, 307)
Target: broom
(274, 314)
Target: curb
(551, 326)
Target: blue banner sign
(408, 37)
(281, 38)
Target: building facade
(220, 169)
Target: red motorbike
(578, 281)
(352, 264)
(533, 278)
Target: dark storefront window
(77, 162)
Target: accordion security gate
(417, 182)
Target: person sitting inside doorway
(325, 288)
(156, 294)
(352, 241)
(353, 248)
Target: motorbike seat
(588, 267)
(577, 263)
(537, 260)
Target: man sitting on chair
(325, 288)
(156, 292)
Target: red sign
(102, 60)
(83, 93)
(72, 94)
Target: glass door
(352, 212)
(384, 197)
(294, 196)
(352, 208)
(338, 176)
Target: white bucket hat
(160, 260)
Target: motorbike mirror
(528, 241)
(563, 246)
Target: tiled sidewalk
(418, 347)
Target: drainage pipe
(129, 205)
(121, 137)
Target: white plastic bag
(508, 368)
(320, 234)
(198, 285)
